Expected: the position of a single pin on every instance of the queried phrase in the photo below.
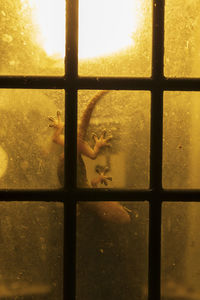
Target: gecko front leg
(101, 142)
(58, 136)
(84, 148)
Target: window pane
(181, 153)
(32, 37)
(177, 138)
(125, 115)
(112, 250)
(181, 140)
(182, 38)
(180, 251)
(31, 251)
(115, 38)
(29, 158)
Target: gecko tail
(85, 120)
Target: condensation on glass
(182, 38)
(181, 143)
(180, 251)
(125, 117)
(115, 38)
(32, 37)
(31, 251)
(112, 250)
(28, 156)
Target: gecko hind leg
(102, 178)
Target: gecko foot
(56, 123)
(101, 178)
(102, 140)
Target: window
(154, 195)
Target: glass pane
(115, 38)
(29, 158)
(31, 251)
(180, 251)
(181, 144)
(32, 37)
(182, 38)
(112, 250)
(113, 147)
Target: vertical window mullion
(71, 67)
(156, 151)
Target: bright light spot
(49, 15)
(3, 161)
(105, 26)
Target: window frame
(157, 84)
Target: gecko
(110, 211)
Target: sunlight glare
(105, 26)
(49, 15)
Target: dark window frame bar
(71, 82)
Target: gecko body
(83, 148)
(107, 210)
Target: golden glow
(3, 161)
(105, 26)
(49, 15)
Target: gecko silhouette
(110, 211)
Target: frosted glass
(125, 115)
(31, 250)
(112, 253)
(182, 38)
(181, 144)
(115, 38)
(32, 37)
(180, 251)
(29, 158)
